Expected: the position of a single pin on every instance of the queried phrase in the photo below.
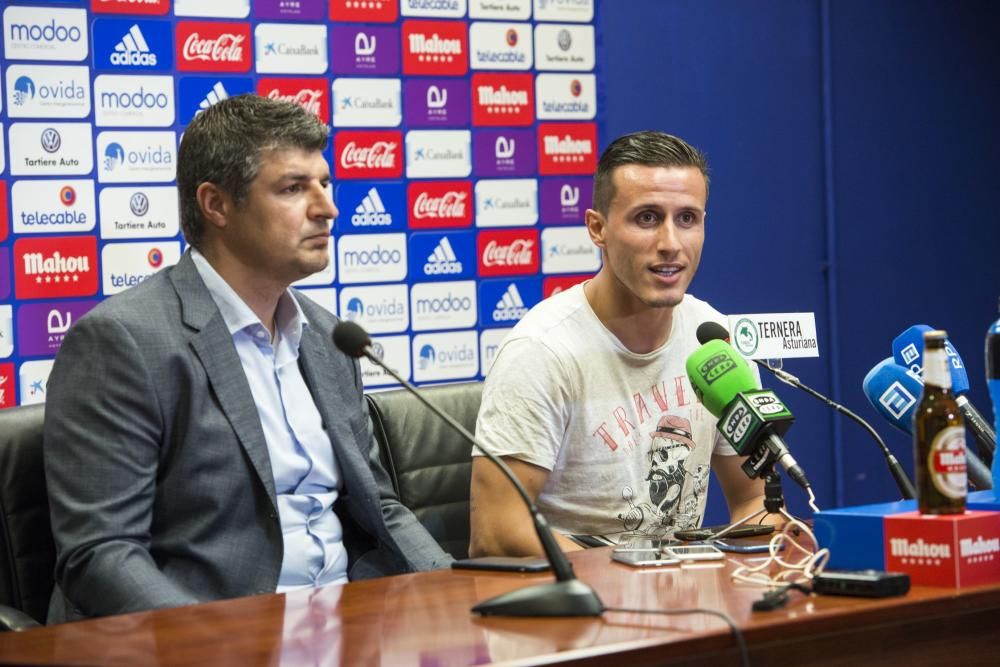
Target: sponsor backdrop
(465, 136)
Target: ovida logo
(49, 91)
(383, 308)
(510, 306)
(138, 203)
(355, 309)
(50, 140)
(114, 156)
(24, 90)
(427, 357)
(442, 260)
(133, 49)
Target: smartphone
(723, 545)
(502, 564)
(647, 558)
(707, 532)
(693, 552)
(644, 544)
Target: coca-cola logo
(368, 154)
(450, 205)
(310, 94)
(213, 47)
(508, 252)
(518, 253)
(440, 204)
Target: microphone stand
(567, 595)
(903, 482)
(774, 503)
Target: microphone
(751, 420)
(908, 351)
(567, 596)
(714, 331)
(894, 392)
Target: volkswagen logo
(378, 350)
(139, 203)
(565, 40)
(51, 141)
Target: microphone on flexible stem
(567, 596)
(894, 392)
(713, 330)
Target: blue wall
(853, 146)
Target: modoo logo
(37, 33)
(449, 303)
(134, 100)
(372, 257)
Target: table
(424, 620)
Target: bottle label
(946, 462)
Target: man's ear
(596, 226)
(215, 204)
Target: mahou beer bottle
(939, 435)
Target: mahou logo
(503, 99)
(436, 204)
(508, 252)
(204, 46)
(361, 154)
(367, 11)
(55, 266)
(435, 47)
(148, 7)
(567, 148)
(310, 94)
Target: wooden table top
(424, 620)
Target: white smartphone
(644, 544)
(647, 558)
(693, 552)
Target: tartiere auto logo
(435, 48)
(204, 46)
(55, 266)
(368, 154)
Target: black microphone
(714, 331)
(567, 596)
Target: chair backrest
(27, 552)
(429, 463)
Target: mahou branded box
(957, 550)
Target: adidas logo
(216, 95)
(133, 49)
(442, 260)
(510, 306)
(371, 211)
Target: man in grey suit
(203, 437)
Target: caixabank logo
(435, 48)
(442, 256)
(147, 7)
(502, 99)
(55, 266)
(41, 33)
(135, 157)
(371, 207)
(507, 202)
(139, 211)
(211, 46)
(128, 44)
(440, 204)
(53, 206)
(364, 11)
(134, 101)
(569, 250)
(567, 148)
(432, 103)
(38, 149)
(197, 93)
(368, 154)
(503, 302)
(364, 50)
(506, 152)
(41, 327)
(508, 252)
(500, 46)
(310, 94)
(48, 91)
(284, 48)
(438, 153)
(366, 102)
(565, 200)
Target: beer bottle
(939, 435)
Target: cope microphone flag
(567, 596)
(751, 420)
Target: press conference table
(424, 620)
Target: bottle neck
(936, 370)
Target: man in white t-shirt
(588, 400)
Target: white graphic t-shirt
(626, 440)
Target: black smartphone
(733, 547)
(707, 532)
(861, 583)
(502, 564)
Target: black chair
(429, 463)
(27, 552)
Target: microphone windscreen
(711, 331)
(908, 351)
(894, 392)
(717, 373)
(351, 339)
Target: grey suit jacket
(158, 474)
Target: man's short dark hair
(224, 144)
(649, 149)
